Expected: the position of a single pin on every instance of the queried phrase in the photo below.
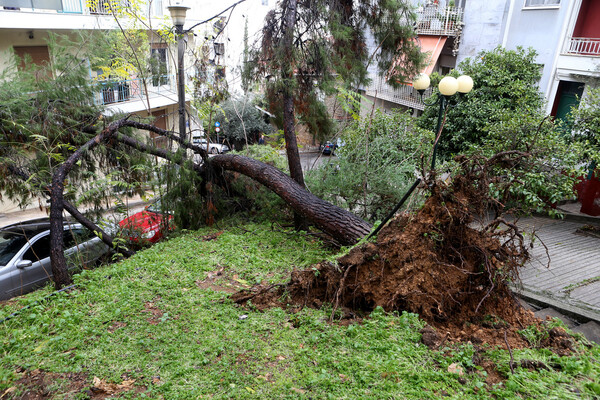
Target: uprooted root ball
(440, 263)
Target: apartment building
(440, 26)
(25, 26)
(565, 34)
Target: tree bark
(342, 225)
(58, 262)
(289, 115)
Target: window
(37, 57)
(542, 3)
(158, 64)
(39, 250)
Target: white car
(212, 148)
(25, 254)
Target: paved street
(312, 160)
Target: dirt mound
(440, 262)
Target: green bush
(536, 183)
(584, 126)
(375, 167)
(241, 122)
(504, 81)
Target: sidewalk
(134, 203)
(563, 276)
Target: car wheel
(214, 150)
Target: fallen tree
(341, 225)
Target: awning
(432, 45)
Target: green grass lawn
(148, 325)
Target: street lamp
(178, 17)
(448, 87)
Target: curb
(580, 314)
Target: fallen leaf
(41, 346)
(455, 368)
(298, 390)
(111, 388)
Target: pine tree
(310, 47)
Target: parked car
(328, 148)
(25, 254)
(148, 225)
(213, 148)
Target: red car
(150, 225)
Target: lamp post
(448, 87)
(178, 17)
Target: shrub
(375, 167)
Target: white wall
(543, 29)
(485, 22)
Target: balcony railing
(118, 91)
(90, 7)
(404, 95)
(584, 46)
(444, 21)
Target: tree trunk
(342, 225)
(57, 256)
(58, 262)
(289, 116)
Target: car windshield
(155, 207)
(10, 244)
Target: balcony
(84, 7)
(439, 21)
(130, 95)
(404, 95)
(584, 46)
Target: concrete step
(591, 330)
(552, 313)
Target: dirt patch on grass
(441, 262)
(37, 384)
(155, 312)
(222, 280)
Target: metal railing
(90, 7)
(405, 95)
(113, 91)
(584, 46)
(436, 20)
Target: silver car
(25, 254)
(212, 148)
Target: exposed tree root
(441, 262)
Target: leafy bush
(584, 124)
(539, 182)
(242, 122)
(504, 112)
(375, 167)
(504, 80)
